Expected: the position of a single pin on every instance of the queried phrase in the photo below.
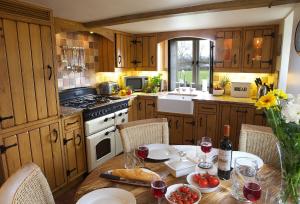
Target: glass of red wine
(206, 145)
(142, 153)
(252, 191)
(158, 189)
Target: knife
(124, 181)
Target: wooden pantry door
(27, 76)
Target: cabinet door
(130, 52)
(177, 130)
(41, 146)
(201, 126)
(258, 50)
(188, 131)
(139, 52)
(150, 108)
(207, 126)
(153, 52)
(146, 54)
(106, 56)
(132, 110)
(141, 109)
(120, 58)
(80, 151)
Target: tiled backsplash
(70, 79)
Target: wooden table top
(270, 181)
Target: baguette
(136, 174)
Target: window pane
(204, 59)
(184, 60)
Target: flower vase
(290, 176)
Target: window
(190, 62)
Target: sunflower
(280, 94)
(266, 101)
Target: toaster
(108, 88)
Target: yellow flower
(266, 101)
(280, 94)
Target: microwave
(136, 83)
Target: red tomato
(203, 183)
(195, 196)
(213, 182)
(196, 177)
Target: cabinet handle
(267, 62)
(106, 119)
(140, 106)
(192, 141)
(78, 136)
(200, 122)
(152, 104)
(242, 111)
(152, 59)
(65, 141)
(70, 171)
(177, 124)
(207, 108)
(72, 123)
(56, 135)
(191, 123)
(169, 123)
(120, 59)
(50, 72)
(6, 118)
(110, 132)
(234, 59)
(248, 58)
(4, 148)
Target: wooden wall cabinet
(259, 49)
(106, 55)
(228, 50)
(74, 146)
(249, 49)
(41, 145)
(136, 52)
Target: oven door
(121, 117)
(99, 124)
(100, 147)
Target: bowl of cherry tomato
(206, 183)
(183, 194)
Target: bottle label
(224, 160)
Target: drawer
(207, 108)
(72, 122)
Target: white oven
(101, 147)
(120, 117)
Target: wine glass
(252, 191)
(142, 153)
(206, 145)
(158, 189)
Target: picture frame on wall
(297, 39)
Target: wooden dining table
(270, 182)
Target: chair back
(27, 185)
(261, 141)
(140, 132)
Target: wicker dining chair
(140, 132)
(27, 185)
(261, 141)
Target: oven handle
(106, 119)
(110, 131)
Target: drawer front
(72, 122)
(207, 108)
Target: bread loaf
(136, 174)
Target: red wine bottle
(225, 155)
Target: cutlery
(123, 181)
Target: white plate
(236, 154)
(159, 151)
(190, 180)
(108, 195)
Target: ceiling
(90, 10)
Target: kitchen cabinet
(136, 52)
(41, 145)
(146, 108)
(259, 46)
(28, 90)
(74, 146)
(106, 55)
(228, 48)
(181, 128)
(207, 121)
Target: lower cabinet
(146, 108)
(41, 145)
(132, 109)
(181, 128)
(74, 147)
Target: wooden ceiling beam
(204, 8)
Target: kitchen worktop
(67, 111)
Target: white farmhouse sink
(175, 104)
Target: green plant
(224, 82)
(156, 80)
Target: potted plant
(220, 89)
(154, 84)
(283, 115)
